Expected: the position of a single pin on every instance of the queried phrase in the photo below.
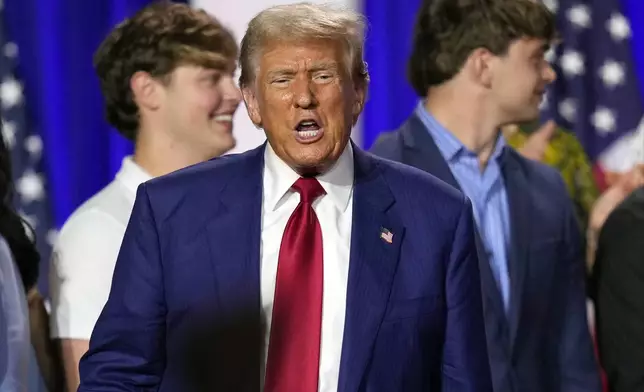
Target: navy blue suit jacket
(184, 309)
(543, 344)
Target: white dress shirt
(85, 254)
(334, 212)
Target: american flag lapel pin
(386, 235)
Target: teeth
(308, 134)
(224, 117)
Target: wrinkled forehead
(300, 56)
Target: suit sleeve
(620, 300)
(577, 361)
(465, 360)
(127, 351)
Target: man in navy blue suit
(303, 265)
(481, 65)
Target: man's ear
(252, 106)
(146, 90)
(360, 97)
(481, 63)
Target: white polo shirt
(85, 254)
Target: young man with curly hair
(167, 77)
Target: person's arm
(619, 274)
(47, 354)
(80, 278)
(127, 349)
(71, 351)
(579, 368)
(466, 365)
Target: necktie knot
(309, 189)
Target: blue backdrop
(391, 24)
(56, 40)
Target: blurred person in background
(167, 78)
(28, 360)
(318, 242)
(619, 291)
(618, 190)
(481, 66)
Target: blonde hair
(301, 22)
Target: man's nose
(550, 74)
(303, 95)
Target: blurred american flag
(26, 148)
(596, 94)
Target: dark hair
(448, 31)
(156, 40)
(13, 228)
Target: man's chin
(312, 165)
(223, 146)
(527, 117)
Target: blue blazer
(543, 344)
(184, 308)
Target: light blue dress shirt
(485, 189)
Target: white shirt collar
(279, 177)
(131, 174)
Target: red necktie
(294, 346)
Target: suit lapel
(520, 221)
(422, 152)
(372, 266)
(234, 237)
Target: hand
(614, 195)
(535, 147)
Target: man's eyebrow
(283, 71)
(323, 66)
